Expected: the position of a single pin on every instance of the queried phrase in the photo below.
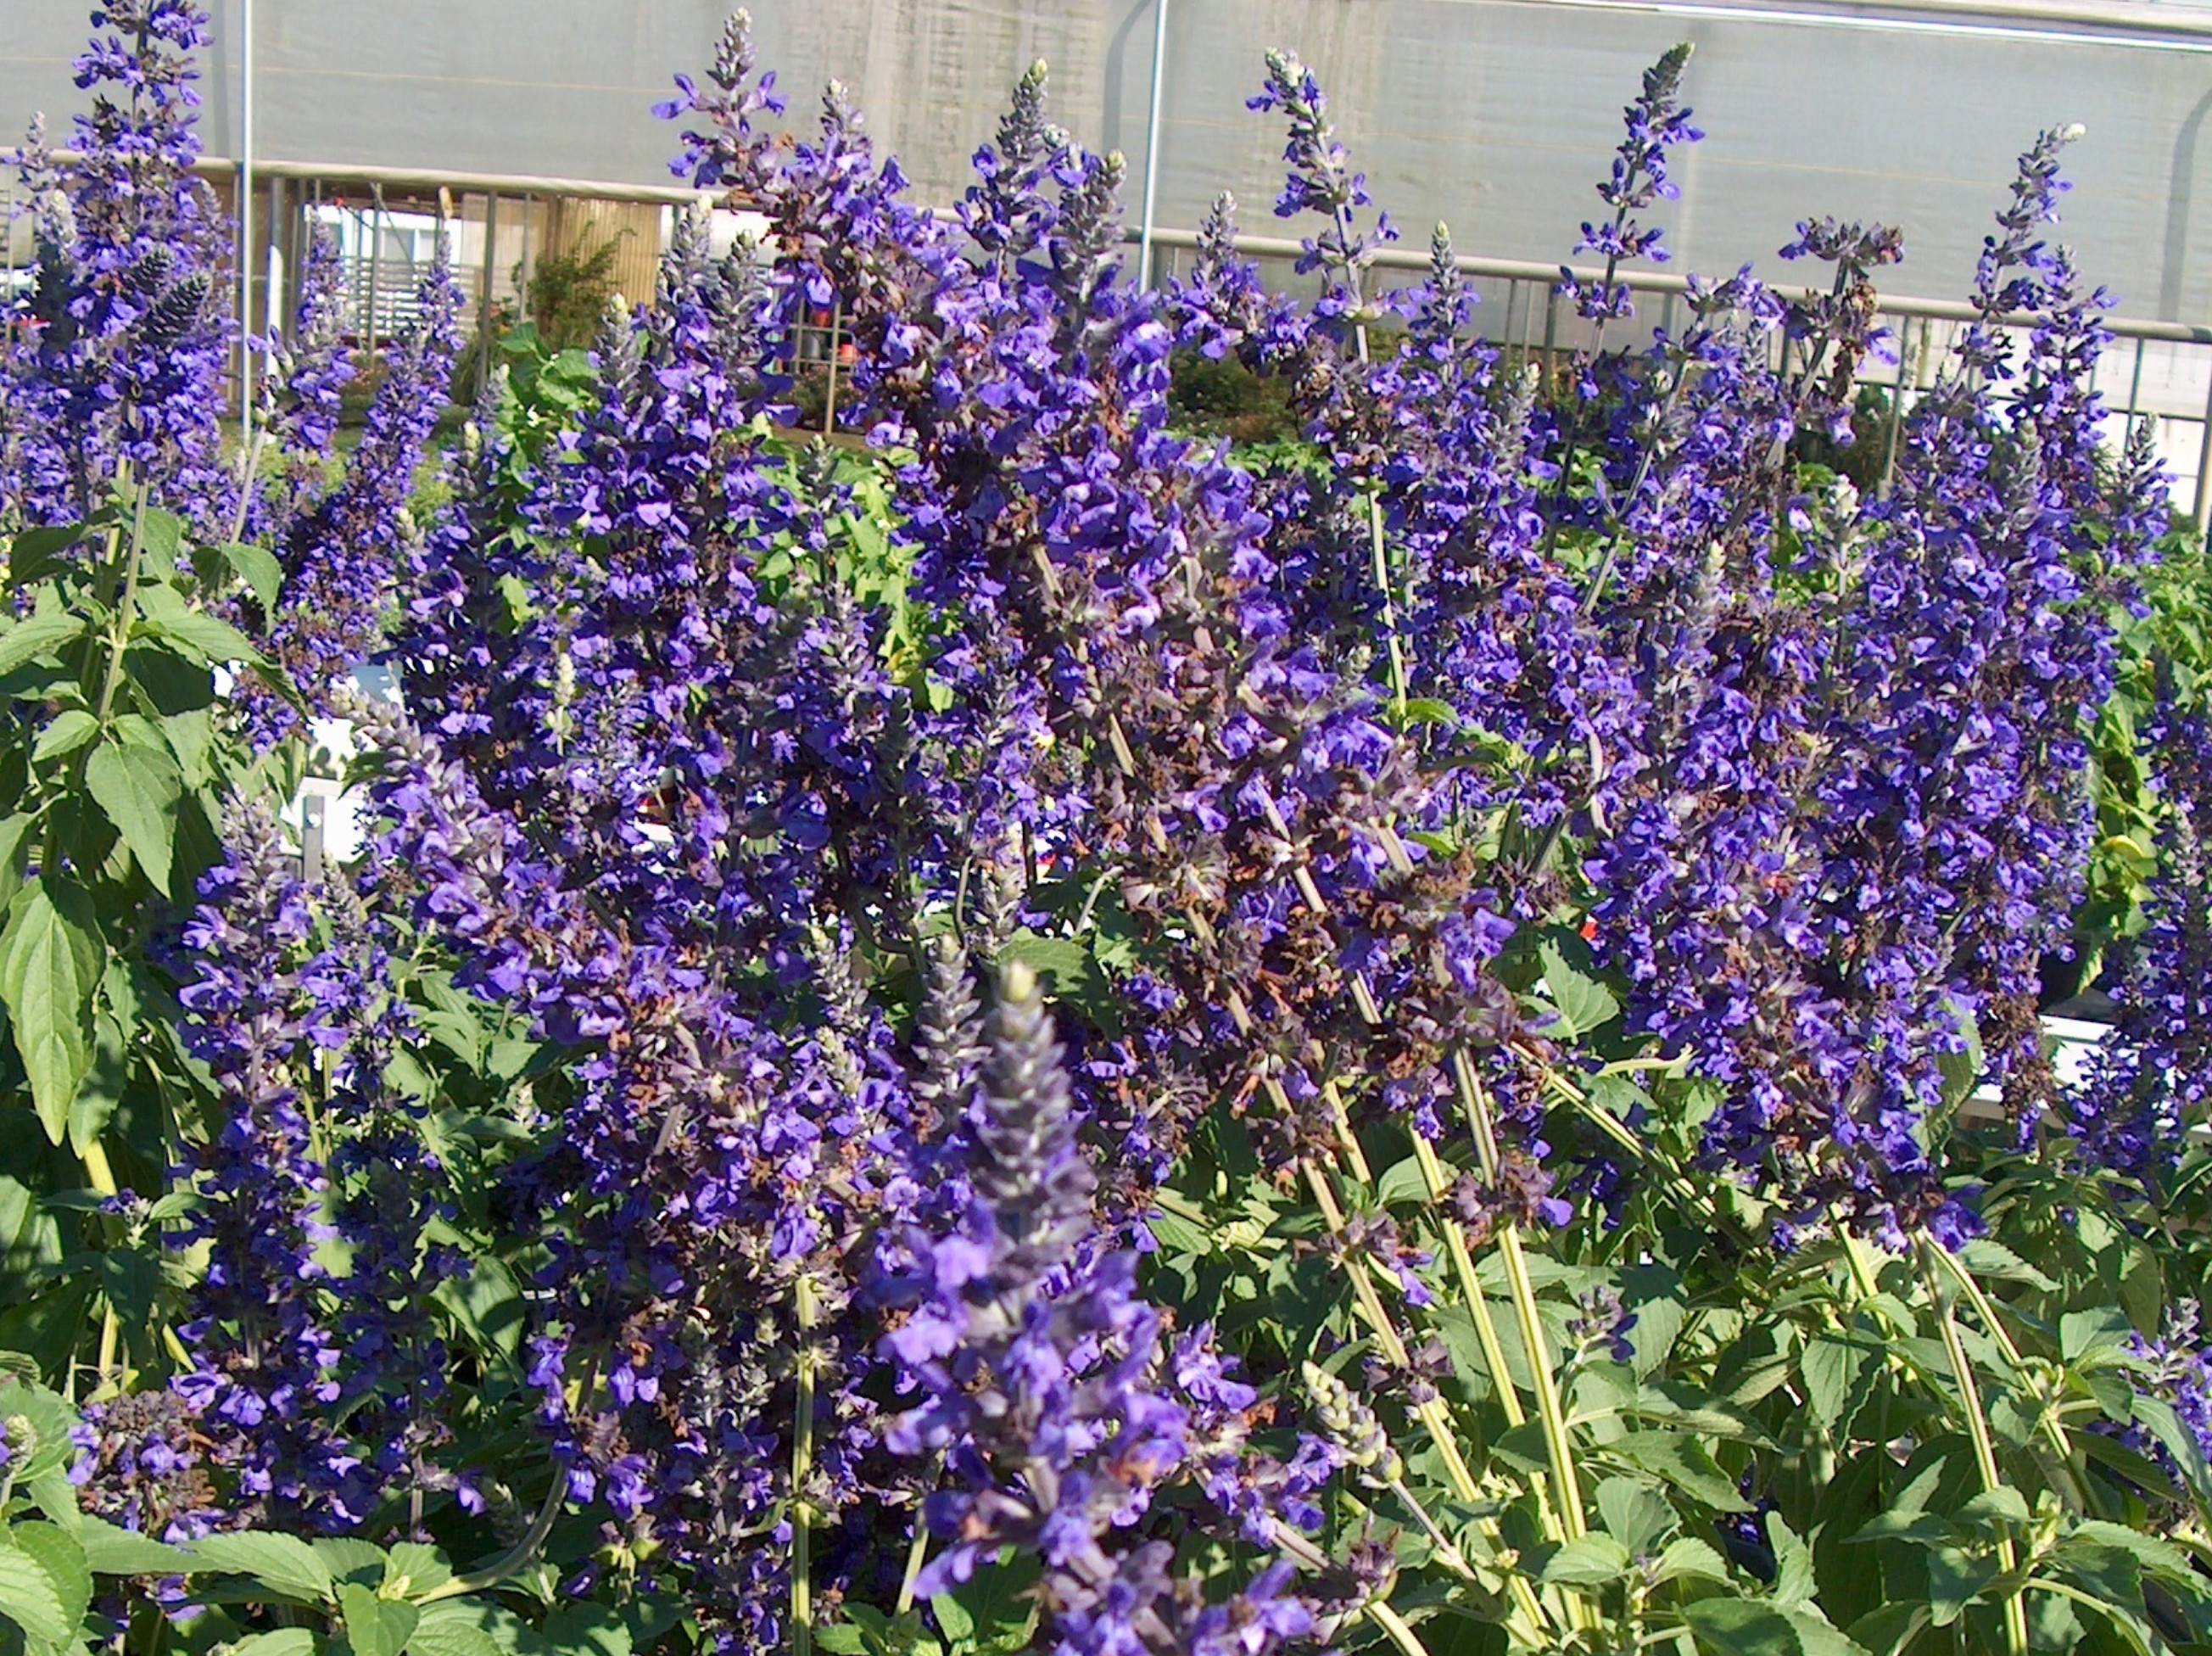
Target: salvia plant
(1001, 1026)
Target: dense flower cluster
(896, 855)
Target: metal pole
(2204, 469)
(2135, 391)
(1152, 144)
(375, 262)
(1896, 408)
(484, 300)
(1512, 301)
(276, 315)
(243, 188)
(523, 273)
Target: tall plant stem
(1550, 1411)
(1431, 1414)
(1379, 554)
(1485, 1326)
(2053, 1428)
(126, 603)
(1978, 1428)
(802, 1466)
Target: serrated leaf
(1793, 1566)
(471, 1627)
(284, 1641)
(413, 1567)
(50, 959)
(59, 1553)
(110, 1549)
(2105, 1328)
(160, 540)
(50, 1418)
(375, 1626)
(139, 789)
(283, 1563)
(31, 1598)
(37, 634)
(587, 1631)
(1836, 1381)
(349, 1560)
(1634, 1514)
(256, 566)
(35, 554)
(1584, 1004)
(1685, 1463)
(1688, 1556)
(162, 614)
(1741, 1627)
(1588, 1561)
(65, 732)
(1402, 1181)
(1985, 1258)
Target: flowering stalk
(1977, 1428)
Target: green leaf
(164, 615)
(1588, 1561)
(256, 566)
(1741, 1627)
(35, 554)
(65, 732)
(1634, 1514)
(413, 1567)
(37, 634)
(49, 1417)
(1793, 1576)
(471, 1627)
(347, 1560)
(110, 1549)
(160, 541)
(284, 1564)
(376, 1626)
(587, 1631)
(59, 1553)
(139, 789)
(2106, 1328)
(1689, 1556)
(284, 1641)
(1685, 1463)
(1955, 1580)
(953, 1621)
(15, 836)
(50, 959)
(1838, 1371)
(1403, 1182)
(1987, 1259)
(1584, 1004)
(32, 1598)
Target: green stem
(1401, 1632)
(516, 1558)
(1443, 1543)
(1522, 1292)
(1978, 1428)
(802, 1465)
(126, 604)
(1985, 1308)
(1431, 1414)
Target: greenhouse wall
(1494, 116)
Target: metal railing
(1534, 320)
(1536, 323)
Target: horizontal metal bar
(1401, 258)
(1517, 270)
(430, 180)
